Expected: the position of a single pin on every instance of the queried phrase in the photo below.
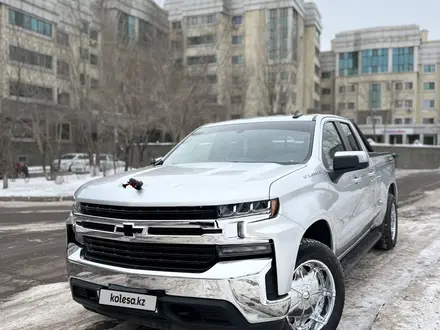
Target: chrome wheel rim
(313, 296)
(393, 221)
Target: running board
(360, 250)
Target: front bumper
(236, 291)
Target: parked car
(234, 229)
(65, 162)
(106, 161)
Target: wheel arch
(320, 231)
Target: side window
(352, 140)
(331, 143)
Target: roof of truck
(273, 119)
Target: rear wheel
(317, 290)
(390, 226)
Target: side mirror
(348, 161)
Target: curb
(36, 199)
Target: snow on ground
(65, 185)
(40, 187)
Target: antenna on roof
(297, 114)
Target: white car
(106, 161)
(64, 163)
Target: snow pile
(65, 185)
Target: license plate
(127, 300)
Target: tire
(389, 235)
(314, 252)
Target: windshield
(270, 142)
(68, 157)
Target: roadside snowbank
(65, 185)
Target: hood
(187, 185)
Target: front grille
(150, 256)
(150, 213)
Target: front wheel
(318, 290)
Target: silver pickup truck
(246, 224)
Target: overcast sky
(339, 15)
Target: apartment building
(386, 79)
(260, 57)
(51, 54)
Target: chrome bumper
(241, 283)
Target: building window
(278, 46)
(375, 60)
(30, 23)
(201, 20)
(93, 59)
(350, 105)
(403, 59)
(317, 70)
(316, 88)
(409, 85)
(428, 104)
(352, 88)
(342, 89)
(326, 107)
(238, 59)
(408, 121)
(374, 96)
(236, 100)
(317, 52)
(63, 98)
(377, 120)
(94, 83)
(85, 26)
(22, 130)
(201, 40)
(26, 56)
(408, 104)
(398, 86)
(284, 76)
(237, 40)
(212, 78)
(349, 64)
(237, 20)
(62, 38)
(428, 121)
(326, 75)
(429, 86)
(342, 106)
(94, 35)
(64, 132)
(427, 68)
(82, 79)
(326, 91)
(398, 121)
(84, 53)
(63, 69)
(19, 89)
(195, 60)
(177, 25)
(126, 27)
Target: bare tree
(31, 103)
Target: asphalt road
(32, 241)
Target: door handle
(356, 180)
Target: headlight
(266, 207)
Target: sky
(340, 15)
